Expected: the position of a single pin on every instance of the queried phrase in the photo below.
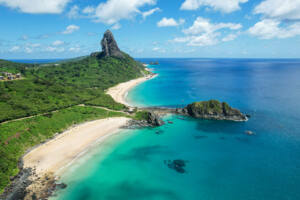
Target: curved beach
(120, 91)
(52, 158)
(55, 155)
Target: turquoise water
(222, 162)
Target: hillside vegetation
(18, 136)
(55, 87)
(48, 88)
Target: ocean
(222, 162)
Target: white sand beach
(59, 152)
(120, 91)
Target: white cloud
(74, 49)
(206, 39)
(88, 10)
(55, 49)
(229, 37)
(24, 37)
(280, 9)
(226, 6)
(70, 29)
(33, 45)
(36, 6)
(205, 33)
(270, 28)
(58, 43)
(74, 12)
(112, 11)
(117, 26)
(14, 49)
(202, 25)
(169, 22)
(28, 50)
(159, 49)
(150, 12)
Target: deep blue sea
(222, 162)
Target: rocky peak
(110, 46)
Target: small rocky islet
(178, 165)
(212, 109)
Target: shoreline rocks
(29, 185)
(154, 120)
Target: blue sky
(37, 29)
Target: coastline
(43, 165)
(55, 155)
(58, 153)
(120, 91)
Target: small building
(1, 77)
(10, 77)
(18, 75)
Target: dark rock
(136, 124)
(159, 132)
(212, 109)
(154, 120)
(60, 186)
(109, 46)
(249, 132)
(200, 136)
(178, 165)
(248, 116)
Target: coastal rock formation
(178, 165)
(110, 46)
(212, 109)
(150, 119)
(154, 120)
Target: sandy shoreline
(59, 152)
(120, 91)
(56, 155)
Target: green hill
(49, 88)
(56, 87)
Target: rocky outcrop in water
(154, 119)
(178, 165)
(151, 119)
(212, 109)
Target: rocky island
(212, 109)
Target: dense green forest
(52, 87)
(56, 87)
